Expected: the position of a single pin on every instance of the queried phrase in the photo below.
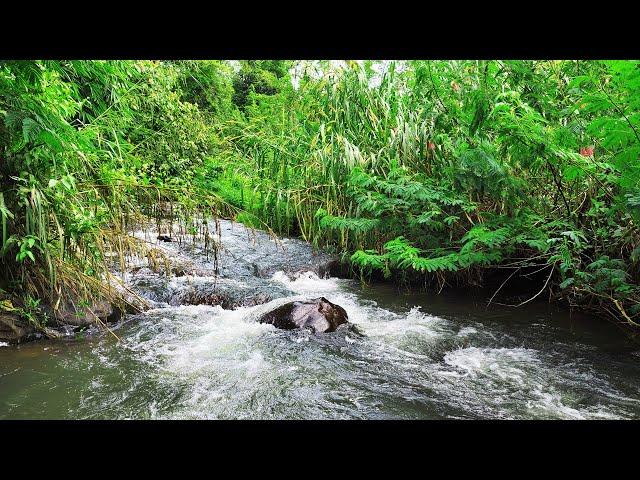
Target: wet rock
(14, 329)
(141, 270)
(81, 315)
(52, 333)
(318, 314)
(240, 275)
(227, 293)
(241, 253)
(228, 300)
(181, 269)
(176, 267)
(254, 253)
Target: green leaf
(569, 281)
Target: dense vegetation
(443, 171)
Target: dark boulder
(318, 314)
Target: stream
(411, 355)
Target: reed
(454, 169)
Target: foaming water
(399, 358)
(307, 282)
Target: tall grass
(452, 169)
(90, 149)
(448, 171)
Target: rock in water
(14, 329)
(81, 314)
(318, 314)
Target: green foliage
(31, 312)
(86, 146)
(261, 77)
(208, 84)
(357, 225)
(444, 169)
(451, 168)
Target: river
(411, 355)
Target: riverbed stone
(208, 290)
(317, 314)
(14, 329)
(81, 316)
(52, 333)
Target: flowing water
(407, 355)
